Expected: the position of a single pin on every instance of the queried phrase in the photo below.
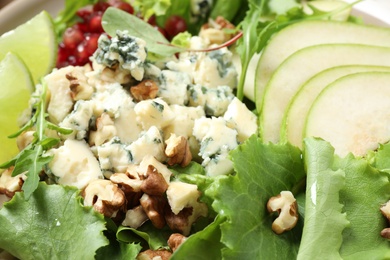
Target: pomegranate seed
(91, 43)
(85, 12)
(82, 56)
(175, 25)
(162, 31)
(72, 37)
(95, 23)
(121, 5)
(152, 20)
(100, 7)
(82, 27)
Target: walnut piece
(286, 205)
(161, 254)
(24, 139)
(175, 240)
(80, 89)
(147, 89)
(9, 184)
(154, 209)
(154, 183)
(105, 197)
(385, 210)
(214, 31)
(178, 150)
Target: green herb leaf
(323, 211)
(52, 224)
(263, 171)
(115, 19)
(32, 158)
(204, 244)
(147, 235)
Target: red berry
(72, 37)
(152, 20)
(175, 25)
(91, 43)
(121, 5)
(81, 54)
(95, 24)
(162, 31)
(82, 27)
(85, 12)
(100, 7)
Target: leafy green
(202, 245)
(149, 8)
(147, 235)
(182, 40)
(52, 224)
(366, 189)
(263, 171)
(67, 16)
(32, 159)
(323, 212)
(118, 249)
(115, 19)
(380, 159)
(228, 9)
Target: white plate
(19, 11)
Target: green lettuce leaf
(366, 189)
(118, 249)
(149, 8)
(52, 224)
(263, 171)
(204, 244)
(324, 218)
(147, 235)
(380, 158)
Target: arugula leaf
(263, 171)
(32, 159)
(52, 224)
(115, 19)
(323, 211)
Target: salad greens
(32, 159)
(39, 229)
(338, 198)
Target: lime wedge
(15, 90)
(34, 42)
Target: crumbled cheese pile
(113, 130)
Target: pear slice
(353, 113)
(309, 33)
(300, 67)
(295, 117)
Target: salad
(144, 141)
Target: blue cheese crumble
(125, 51)
(195, 101)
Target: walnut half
(286, 205)
(147, 89)
(178, 150)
